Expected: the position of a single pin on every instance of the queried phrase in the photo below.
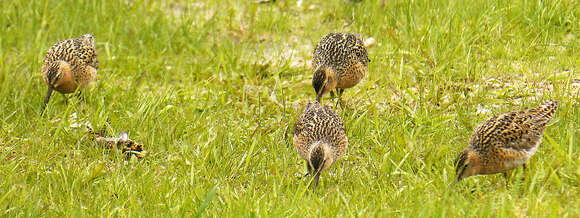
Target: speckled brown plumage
(69, 64)
(504, 142)
(319, 138)
(339, 62)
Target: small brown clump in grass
(123, 143)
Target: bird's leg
(79, 94)
(316, 178)
(65, 98)
(340, 91)
(46, 99)
(331, 94)
(505, 175)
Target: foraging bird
(339, 62)
(69, 64)
(504, 142)
(319, 138)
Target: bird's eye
(464, 167)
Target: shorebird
(339, 62)
(68, 65)
(504, 142)
(319, 138)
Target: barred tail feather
(544, 113)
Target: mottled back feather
(319, 123)
(340, 51)
(515, 130)
(77, 52)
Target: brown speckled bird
(504, 142)
(69, 64)
(319, 138)
(339, 62)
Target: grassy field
(212, 88)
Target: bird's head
(59, 76)
(320, 156)
(467, 164)
(323, 81)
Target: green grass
(212, 89)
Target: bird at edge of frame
(319, 138)
(339, 61)
(69, 65)
(504, 142)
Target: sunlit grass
(212, 89)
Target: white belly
(527, 154)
